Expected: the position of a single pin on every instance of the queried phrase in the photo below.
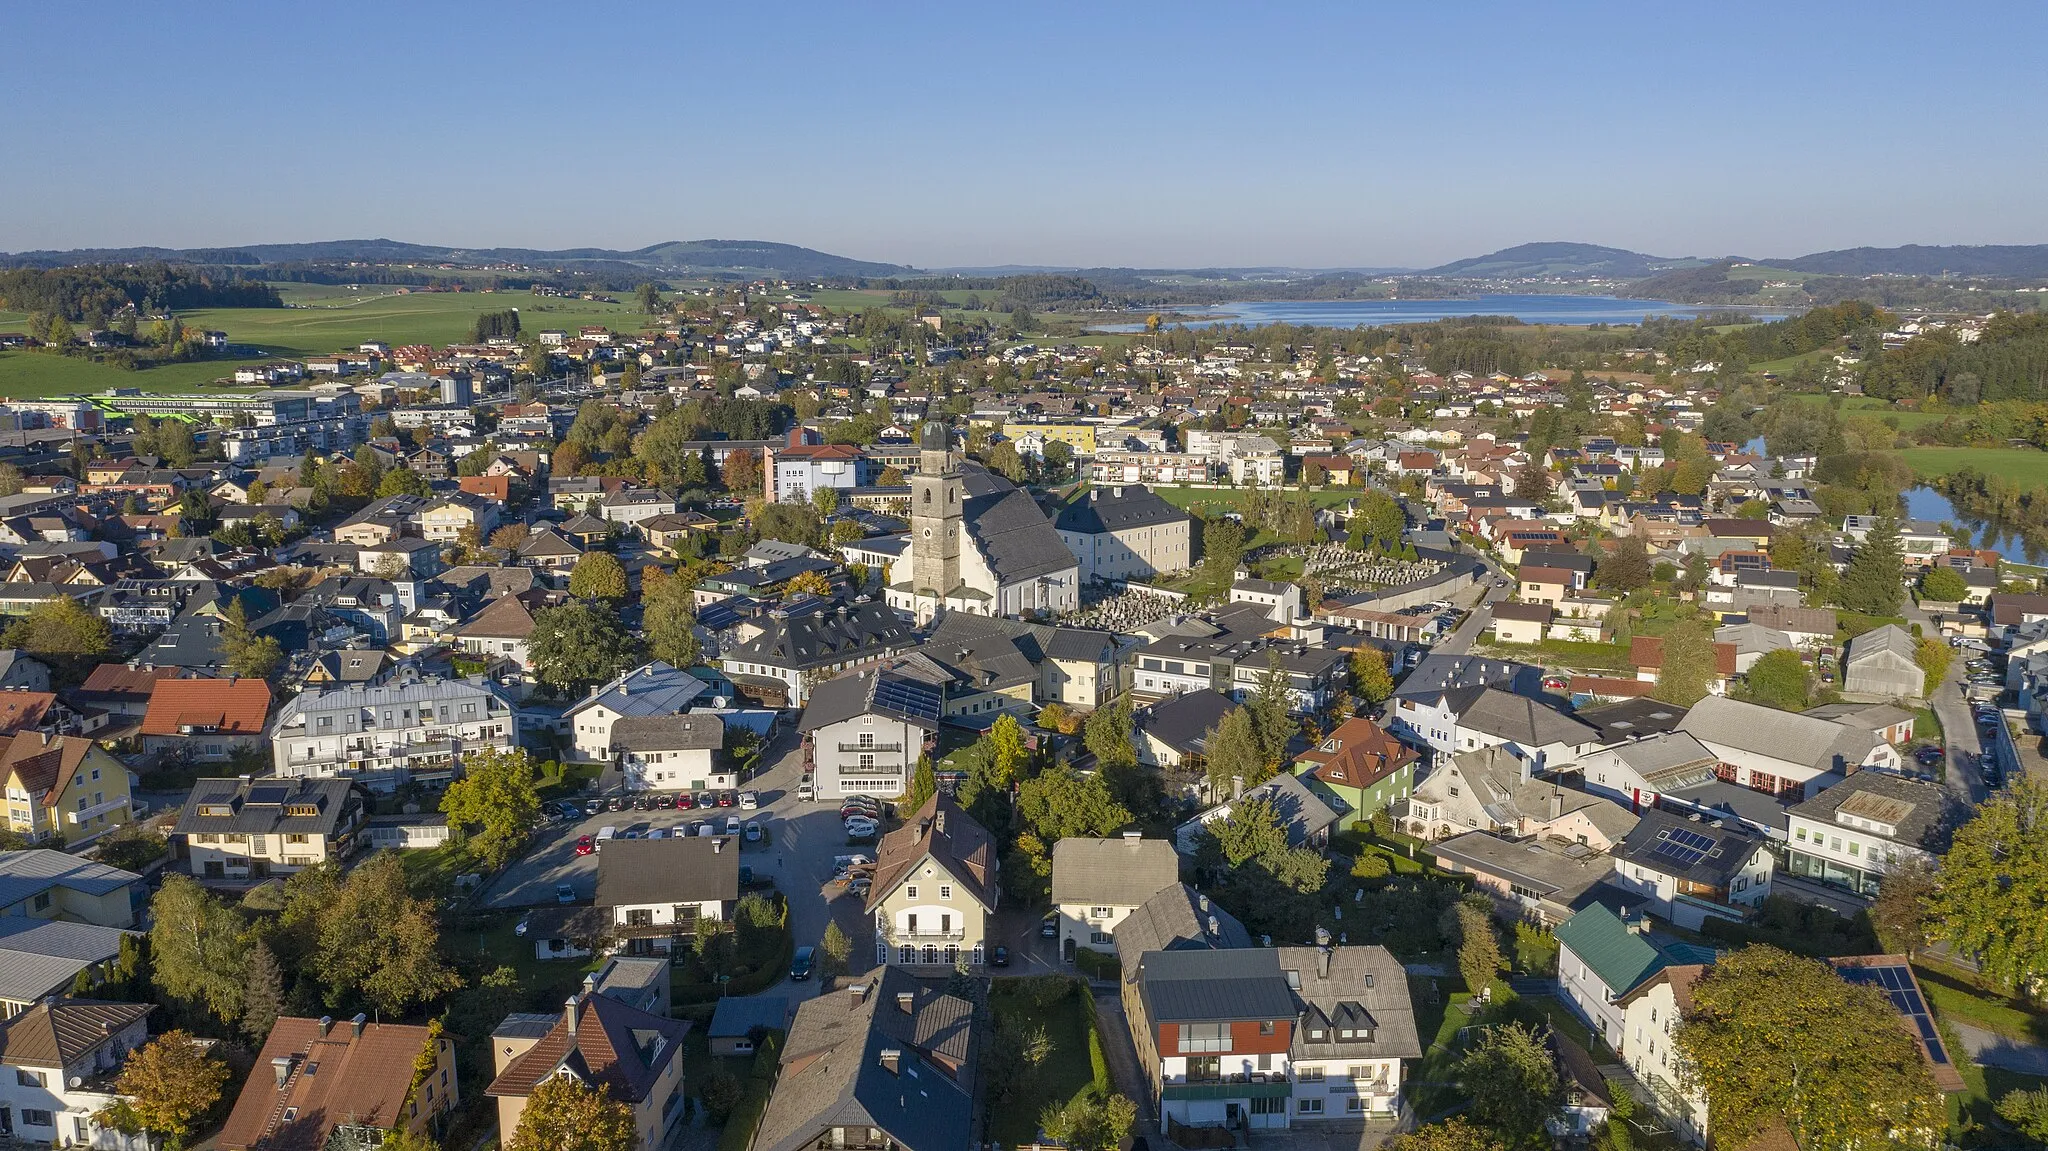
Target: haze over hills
(1558, 258)
(2018, 260)
(684, 257)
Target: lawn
(489, 940)
(1558, 654)
(1066, 1073)
(42, 374)
(2024, 465)
(1228, 499)
(1955, 998)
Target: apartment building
(388, 734)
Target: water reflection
(2023, 544)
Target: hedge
(751, 983)
(740, 1125)
(1096, 965)
(1098, 1062)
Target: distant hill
(1561, 259)
(2020, 261)
(1707, 284)
(676, 257)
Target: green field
(1232, 497)
(2024, 465)
(324, 319)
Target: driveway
(1990, 1049)
(1964, 777)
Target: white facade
(1747, 889)
(43, 1106)
(393, 731)
(687, 769)
(864, 755)
(1650, 1021)
(1346, 1088)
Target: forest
(2009, 361)
(93, 294)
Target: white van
(805, 793)
(732, 825)
(604, 833)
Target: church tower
(936, 492)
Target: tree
(1007, 753)
(170, 1081)
(668, 618)
(1625, 567)
(1059, 804)
(60, 626)
(1873, 582)
(1898, 915)
(807, 583)
(497, 794)
(1478, 947)
(1940, 584)
(742, 473)
(1234, 752)
(566, 1114)
(1778, 679)
(648, 297)
(243, 652)
(510, 537)
(262, 993)
(394, 967)
(1513, 1083)
(1933, 656)
(1379, 517)
(1223, 541)
(1107, 735)
(598, 575)
(578, 644)
(403, 481)
(924, 783)
(11, 480)
(1456, 1134)
(197, 947)
(1269, 707)
(1992, 885)
(1088, 1123)
(1774, 1036)
(2026, 1110)
(1369, 676)
(1689, 665)
(834, 948)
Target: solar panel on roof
(268, 794)
(1898, 986)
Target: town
(766, 724)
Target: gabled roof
(1506, 715)
(1233, 984)
(1621, 958)
(686, 869)
(1185, 721)
(231, 706)
(949, 837)
(1802, 739)
(614, 1044)
(1662, 842)
(1116, 507)
(336, 1078)
(1361, 988)
(1176, 919)
(693, 732)
(58, 1034)
(35, 870)
(1121, 872)
(44, 764)
(504, 618)
(908, 690)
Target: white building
(978, 544)
(1097, 883)
(390, 733)
(62, 1056)
(864, 731)
(653, 688)
(672, 753)
(1779, 752)
(1693, 870)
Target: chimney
(892, 1058)
(569, 1014)
(859, 991)
(904, 1000)
(1215, 928)
(282, 1068)
(717, 845)
(590, 983)
(326, 1025)
(939, 822)
(1556, 803)
(355, 1026)
(1323, 962)
(1203, 902)
(1133, 838)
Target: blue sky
(1183, 134)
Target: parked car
(686, 801)
(701, 827)
(585, 845)
(805, 793)
(615, 803)
(593, 806)
(801, 965)
(749, 801)
(859, 885)
(727, 799)
(1049, 927)
(706, 799)
(643, 802)
(1000, 957)
(665, 801)
(732, 825)
(753, 829)
(861, 829)
(564, 893)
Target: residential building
(636, 1056)
(1866, 827)
(1354, 1025)
(63, 1056)
(1304, 817)
(795, 470)
(246, 829)
(802, 643)
(889, 1062)
(935, 885)
(1097, 883)
(316, 1075)
(1359, 769)
(865, 730)
(672, 752)
(1602, 957)
(1779, 752)
(1883, 664)
(654, 891)
(44, 958)
(1465, 719)
(37, 883)
(501, 630)
(1651, 1014)
(1694, 869)
(653, 688)
(1125, 532)
(389, 734)
(1208, 1022)
(207, 720)
(1170, 732)
(1638, 771)
(64, 786)
(1278, 601)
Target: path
(1122, 1056)
(1964, 778)
(1990, 1049)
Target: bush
(1096, 965)
(746, 1115)
(1372, 867)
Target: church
(978, 543)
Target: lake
(1924, 503)
(1530, 309)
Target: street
(1964, 777)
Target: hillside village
(783, 727)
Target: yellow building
(1080, 437)
(63, 786)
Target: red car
(686, 801)
(726, 799)
(585, 845)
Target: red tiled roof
(19, 709)
(1647, 651)
(235, 706)
(1613, 687)
(360, 1079)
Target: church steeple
(936, 496)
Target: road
(1467, 633)
(1990, 1049)
(1964, 778)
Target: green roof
(1620, 957)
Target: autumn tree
(1993, 883)
(564, 1113)
(598, 575)
(1513, 1083)
(1934, 658)
(742, 473)
(243, 652)
(496, 794)
(1779, 679)
(578, 644)
(1774, 1036)
(396, 966)
(1060, 804)
(168, 1082)
(510, 537)
(197, 947)
(1478, 947)
(924, 783)
(1455, 1134)
(834, 949)
(1689, 665)
(60, 627)
(807, 583)
(668, 618)
(1370, 678)
(1007, 754)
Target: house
(1354, 1025)
(1304, 817)
(315, 1076)
(446, 519)
(798, 644)
(653, 688)
(864, 731)
(935, 885)
(1126, 531)
(1600, 958)
(1651, 1014)
(1637, 771)
(19, 670)
(1692, 870)
(1097, 883)
(62, 1056)
(120, 690)
(41, 958)
(1360, 767)
(207, 720)
(1886, 721)
(1778, 752)
(37, 883)
(797, 469)
(501, 630)
(739, 1019)
(672, 752)
(635, 1056)
(1541, 880)
(887, 1062)
(1493, 789)
(653, 891)
(64, 786)
(1873, 823)
(1281, 602)
(1469, 718)
(1520, 622)
(1646, 653)
(246, 829)
(1883, 664)
(390, 734)
(1169, 732)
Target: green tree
(1478, 947)
(1455, 1134)
(578, 644)
(1779, 679)
(924, 783)
(834, 949)
(1223, 543)
(1625, 567)
(497, 795)
(598, 575)
(1107, 735)
(1513, 1083)
(1089, 1123)
(1774, 1036)
(244, 653)
(403, 481)
(197, 948)
(262, 993)
(1992, 885)
(1379, 518)
(1874, 581)
(566, 1114)
(170, 1082)
(2026, 1110)
(1233, 752)
(396, 966)
(648, 298)
(1059, 804)
(668, 619)
(60, 627)
(1690, 665)
(1369, 676)
(1007, 753)
(1269, 707)
(1933, 656)
(1940, 584)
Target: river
(1925, 503)
(1530, 309)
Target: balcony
(1235, 1087)
(98, 809)
(871, 747)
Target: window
(1358, 1073)
(911, 891)
(1098, 938)
(1308, 1074)
(27, 1078)
(1261, 1106)
(1205, 1037)
(1354, 1104)
(42, 901)
(1098, 913)
(945, 891)
(34, 1117)
(1309, 1106)
(1265, 1027)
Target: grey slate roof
(862, 692)
(1524, 720)
(691, 869)
(1365, 987)
(1631, 718)
(668, 733)
(27, 873)
(1116, 507)
(1826, 745)
(1115, 872)
(1185, 721)
(1214, 986)
(1438, 673)
(1733, 845)
(1176, 919)
(1011, 530)
(738, 1015)
(1669, 761)
(1557, 872)
(845, 633)
(329, 799)
(653, 688)
(1923, 815)
(38, 956)
(988, 659)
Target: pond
(2010, 542)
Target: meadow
(2024, 465)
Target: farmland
(2024, 465)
